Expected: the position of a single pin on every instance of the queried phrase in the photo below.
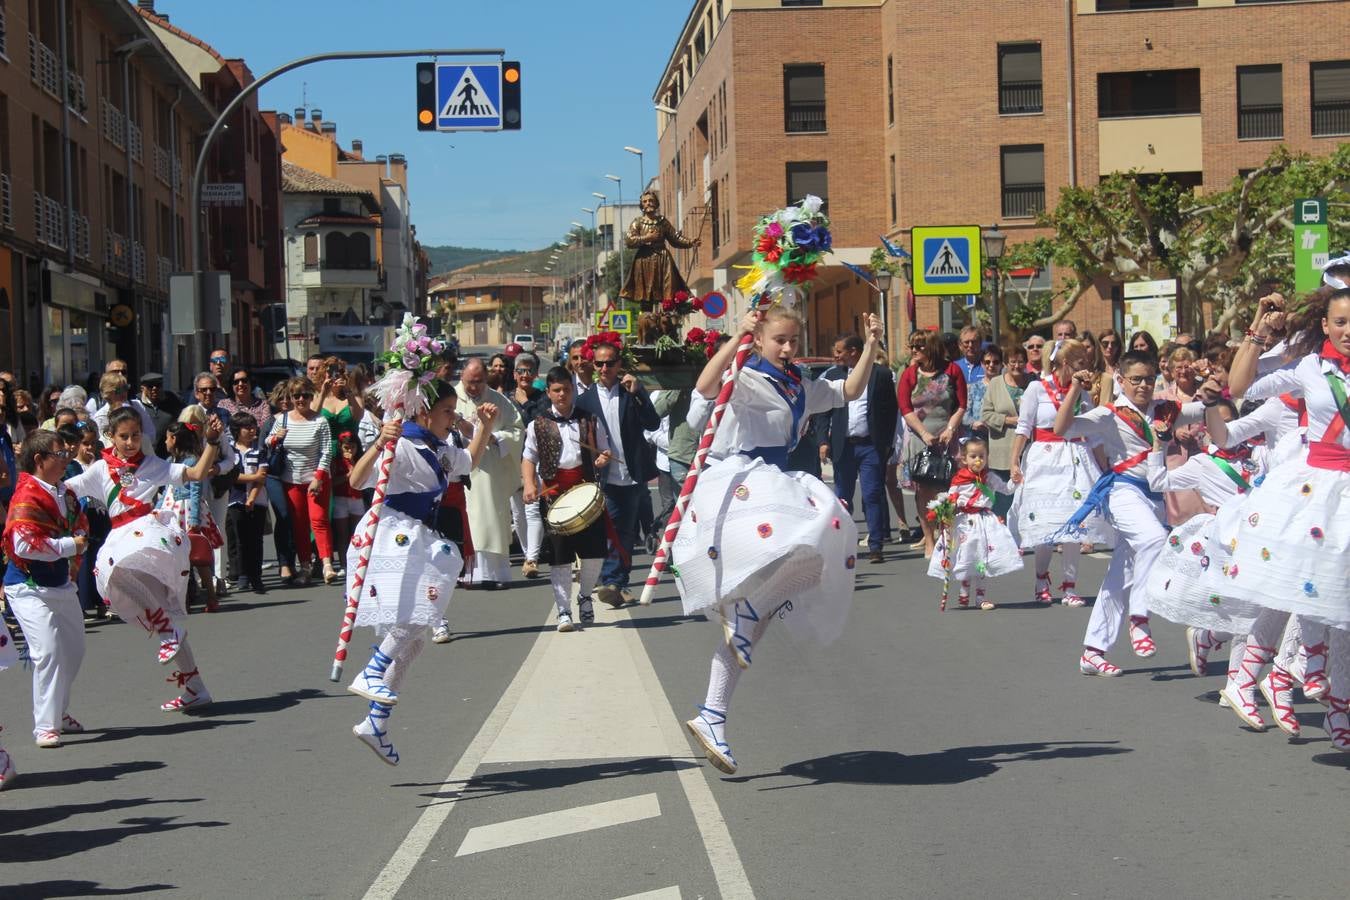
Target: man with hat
(159, 406)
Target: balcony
(6, 203)
(340, 275)
(161, 164)
(134, 137)
(806, 118)
(44, 66)
(1020, 98)
(178, 177)
(1331, 118)
(1150, 144)
(82, 234)
(164, 269)
(1023, 201)
(139, 271)
(114, 124)
(116, 254)
(1257, 123)
(49, 221)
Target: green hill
(447, 259)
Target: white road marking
(669, 893)
(559, 823)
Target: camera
(334, 372)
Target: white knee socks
(402, 644)
(724, 672)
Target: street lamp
(642, 178)
(618, 225)
(907, 268)
(994, 242)
(884, 280)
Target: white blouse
(152, 474)
(410, 473)
(1307, 380)
(757, 416)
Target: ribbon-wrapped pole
(691, 480)
(358, 577)
(948, 540)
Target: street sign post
(223, 193)
(1312, 243)
(947, 260)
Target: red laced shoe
(1278, 689)
(1337, 722)
(1071, 597)
(1240, 691)
(1141, 639)
(1093, 663)
(191, 698)
(1042, 595)
(1315, 672)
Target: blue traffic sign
(469, 97)
(947, 260)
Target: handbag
(276, 456)
(200, 552)
(932, 467)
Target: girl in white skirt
(984, 547)
(412, 567)
(142, 568)
(1053, 476)
(758, 542)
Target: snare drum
(576, 510)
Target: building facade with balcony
(97, 121)
(899, 118)
(487, 310)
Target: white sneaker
(441, 633)
(565, 623)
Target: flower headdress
(411, 367)
(788, 245)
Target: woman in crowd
(1143, 342)
(932, 398)
(1005, 386)
(1187, 440)
(1112, 346)
(48, 406)
(242, 399)
(283, 537)
(305, 472)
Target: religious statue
(653, 276)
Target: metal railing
(164, 269)
(177, 177)
(1023, 201)
(6, 203)
(805, 117)
(1259, 122)
(134, 137)
(160, 162)
(4, 33)
(81, 232)
(114, 124)
(116, 254)
(49, 221)
(1020, 97)
(44, 67)
(1331, 118)
(138, 267)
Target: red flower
(694, 335)
(696, 303)
(667, 304)
(712, 336)
(796, 273)
(681, 296)
(766, 244)
(930, 516)
(773, 255)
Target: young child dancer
(142, 569)
(412, 568)
(187, 502)
(760, 542)
(348, 504)
(1292, 548)
(564, 448)
(1132, 508)
(1053, 475)
(45, 535)
(984, 547)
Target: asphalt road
(927, 755)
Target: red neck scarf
(1332, 355)
(965, 476)
(1240, 453)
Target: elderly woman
(1004, 386)
(932, 399)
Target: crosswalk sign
(947, 260)
(468, 97)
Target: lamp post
(994, 242)
(884, 280)
(642, 178)
(618, 227)
(907, 267)
(590, 257)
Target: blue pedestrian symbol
(469, 96)
(946, 260)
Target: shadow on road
(102, 735)
(952, 766)
(657, 621)
(50, 845)
(110, 772)
(255, 705)
(493, 784)
(43, 889)
(230, 605)
(20, 819)
(500, 632)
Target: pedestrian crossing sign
(468, 97)
(947, 260)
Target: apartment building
(915, 112)
(487, 309)
(97, 121)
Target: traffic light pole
(197, 246)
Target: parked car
(274, 371)
(526, 342)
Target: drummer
(563, 449)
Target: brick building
(910, 112)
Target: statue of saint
(653, 276)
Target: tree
(1224, 247)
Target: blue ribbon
(776, 456)
(1096, 503)
(788, 383)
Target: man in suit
(625, 410)
(857, 439)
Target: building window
(332, 206)
(808, 178)
(1330, 98)
(311, 250)
(1023, 171)
(1163, 92)
(1019, 79)
(890, 91)
(804, 98)
(894, 208)
(1119, 5)
(802, 2)
(1260, 103)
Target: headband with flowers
(412, 361)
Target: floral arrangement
(682, 304)
(608, 337)
(410, 367)
(788, 245)
(941, 511)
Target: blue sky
(590, 68)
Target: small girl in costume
(412, 567)
(189, 506)
(760, 542)
(981, 545)
(45, 534)
(348, 504)
(564, 448)
(143, 568)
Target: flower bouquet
(410, 367)
(942, 513)
(788, 245)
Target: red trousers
(309, 512)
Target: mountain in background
(447, 259)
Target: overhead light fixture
(661, 107)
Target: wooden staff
(948, 538)
(691, 480)
(362, 561)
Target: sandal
(1141, 640)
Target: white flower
(811, 204)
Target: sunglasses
(122, 372)
(1033, 346)
(1109, 343)
(240, 381)
(1138, 380)
(305, 396)
(606, 363)
(220, 359)
(524, 371)
(206, 390)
